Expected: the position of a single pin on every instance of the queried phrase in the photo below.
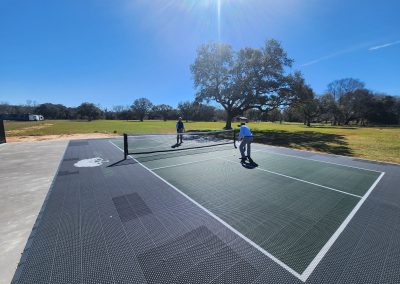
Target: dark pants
(246, 142)
(179, 136)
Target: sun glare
(219, 19)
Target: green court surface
(287, 207)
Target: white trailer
(34, 117)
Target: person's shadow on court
(249, 164)
(176, 145)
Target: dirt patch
(11, 132)
(58, 137)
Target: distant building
(22, 117)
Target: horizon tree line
(253, 82)
(360, 106)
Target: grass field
(376, 143)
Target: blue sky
(112, 52)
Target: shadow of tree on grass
(309, 140)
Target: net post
(2, 132)
(234, 138)
(125, 146)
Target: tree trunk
(229, 117)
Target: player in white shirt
(247, 138)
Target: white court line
(182, 164)
(143, 148)
(188, 163)
(194, 162)
(219, 219)
(301, 180)
(327, 162)
(310, 268)
(314, 263)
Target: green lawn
(376, 143)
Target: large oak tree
(239, 81)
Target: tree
(52, 111)
(328, 108)
(249, 78)
(340, 87)
(141, 107)
(72, 113)
(202, 112)
(31, 103)
(355, 105)
(163, 111)
(6, 108)
(123, 112)
(253, 114)
(186, 110)
(274, 115)
(292, 114)
(220, 114)
(89, 111)
(117, 109)
(197, 111)
(309, 109)
(396, 110)
(306, 101)
(384, 109)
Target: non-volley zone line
(188, 163)
(193, 162)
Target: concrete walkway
(26, 172)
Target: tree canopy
(238, 81)
(340, 87)
(89, 111)
(163, 111)
(141, 107)
(56, 111)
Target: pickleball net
(140, 144)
